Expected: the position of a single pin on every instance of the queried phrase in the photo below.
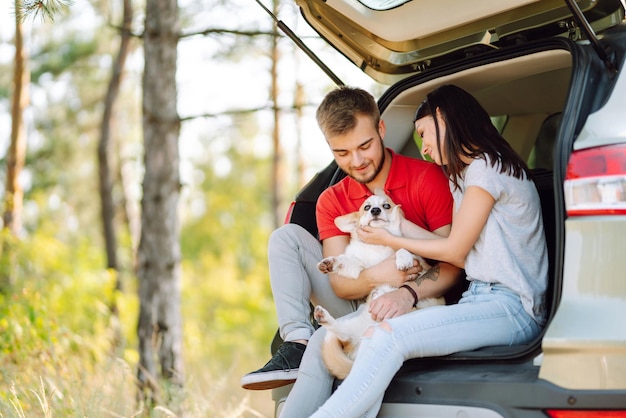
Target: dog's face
(377, 211)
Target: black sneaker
(281, 370)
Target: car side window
(542, 154)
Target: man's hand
(386, 272)
(391, 304)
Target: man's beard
(377, 169)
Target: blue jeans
(486, 315)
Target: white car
(551, 74)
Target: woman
(497, 237)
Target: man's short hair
(338, 111)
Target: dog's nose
(375, 211)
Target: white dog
(343, 334)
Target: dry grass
(69, 389)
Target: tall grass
(108, 391)
(63, 354)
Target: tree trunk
(132, 217)
(106, 170)
(16, 155)
(300, 162)
(277, 162)
(158, 258)
(106, 145)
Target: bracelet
(412, 292)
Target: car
(551, 75)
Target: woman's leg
(486, 315)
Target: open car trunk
(530, 66)
(391, 40)
(539, 94)
(501, 84)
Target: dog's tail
(426, 303)
(338, 355)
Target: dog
(343, 334)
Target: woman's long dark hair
(469, 133)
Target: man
(350, 121)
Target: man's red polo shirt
(420, 187)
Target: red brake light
(558, 413)
(595, 182)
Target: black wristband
(412, 292)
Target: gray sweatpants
(293, 255)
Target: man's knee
(286, 233)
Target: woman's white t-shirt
(511, 249)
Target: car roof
(393, 39)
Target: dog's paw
(423, 263)
(322, 316)
(404, 260)
(327, 265)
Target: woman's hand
(378, 236)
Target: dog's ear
(397, 211)
(348, 223)
(397, 214)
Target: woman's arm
(466, 227)
(410, 230)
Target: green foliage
(226, 291)
(56, 328)
(53, 292)
(418, 142)
(57, 332)
(57, 356)
(57, 56)
(226, 316)
(54, 323)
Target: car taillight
(595, 182)
(560, 413)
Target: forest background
(68, 322)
